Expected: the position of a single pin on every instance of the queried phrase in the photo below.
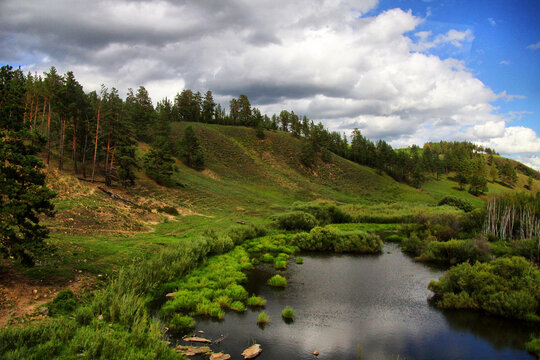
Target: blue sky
(403, 71)
(500, 54)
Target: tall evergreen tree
(191, 150)
(23, 194)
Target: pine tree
(190, 149)
(23, 194)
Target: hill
(245, 180)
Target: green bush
(456, 251)
(299, 260)
(504, 286)
(277, 281)
(457, 203)
(329, 238)
(296, 220)
(533, 346)
(395, 238)
(325, 212)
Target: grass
(256, 301)
(263, 318)
(277, 281)
(299, 260)
(287, 313)
(246, 180)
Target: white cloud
(505, 62)
(326, 60)
(534, 46)
(492, 21)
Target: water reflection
(377, 302)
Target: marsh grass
(263, 318)
(287, 313)
(277, 281)
(299, 260)
(256, 301)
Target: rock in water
(198, 339)
(220, 356)
(193, 350)
(252, 351)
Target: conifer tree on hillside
(23, 194)
(191, 150)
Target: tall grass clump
(263, 318)
(256, 301)
(287, 313)
(277, 281)
(504, 286)
(533, 346)
(513, 216)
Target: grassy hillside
(245, 180)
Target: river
(377, 303)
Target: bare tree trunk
(74, 146)
(61, 145)
(49, 135)
(96, 142)
(85, 148)
(107, 170)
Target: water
(379, 303)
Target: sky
(406, 71)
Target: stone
(197, 339)
(193, 350)
(43, 310)
(252, 351)
(220, 356)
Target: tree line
(99, 131)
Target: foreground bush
(508, 287)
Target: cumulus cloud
(325, 59)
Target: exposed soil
(21, 297)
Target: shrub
(394, 238)
(296, 220)
(181, 323)
(299, 260)
(533, 346)
(256, 301)
(288, 313)
(456, 251)
(457, 203)
(504, 286)
(277, 281)
(171, 210)
(263, 318)
(325, 213)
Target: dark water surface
(376, 302)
